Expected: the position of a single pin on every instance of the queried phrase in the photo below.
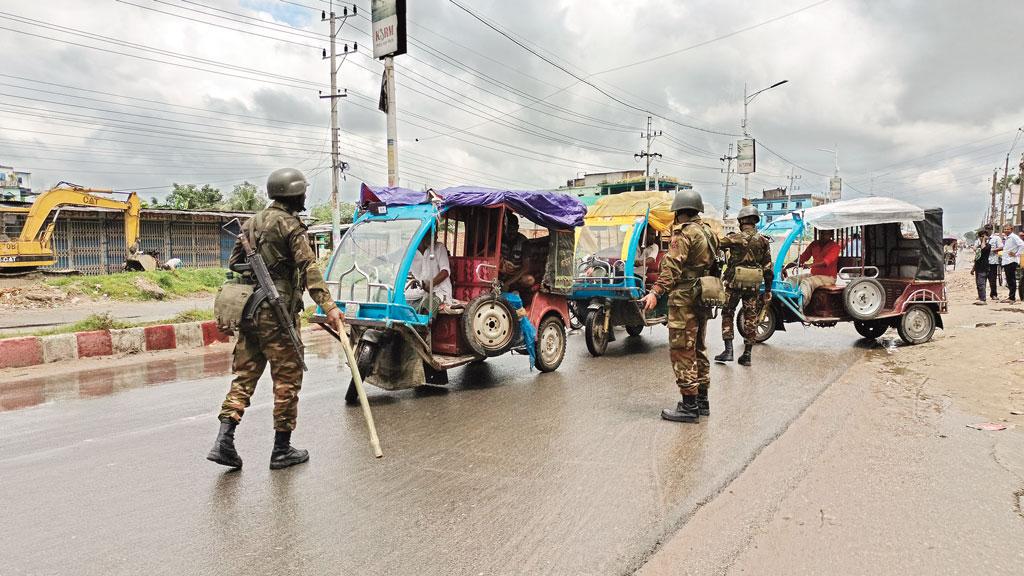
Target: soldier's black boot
(223, 451)
(745, 357)
(703, 405)
(726, 355)
(685, 411)
(284, 454)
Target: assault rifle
(265, 290)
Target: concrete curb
(34, 350)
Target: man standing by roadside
(1012, 248)
(750, 257)
(691, 254)
(980, 267)
(278, 235)
(995, 244)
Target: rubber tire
(770, 323)
(556, 323)
(467, 325)
(594, 323)
(848, 294)
(575, 323)
(870, 329)
(365, 353)
(635, 330)
(909, 314)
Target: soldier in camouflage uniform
(280, 238)
(747, 249)
(691, 254)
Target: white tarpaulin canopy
(862, 212)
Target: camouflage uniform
(749, 249)
(689, 257)
(281, 240)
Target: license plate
(351, 309)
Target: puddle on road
(101, 381)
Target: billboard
(746, 156)
(835, 188)
(388, 27)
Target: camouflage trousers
(687, 330)
(748, 315)
(267, 343)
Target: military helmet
(687, 199)
(748, 211)
(286, 183)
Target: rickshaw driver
(823, 254)
(429, 269)
(513, 271)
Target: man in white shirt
(430, 268)
(995, 243)
(647, 258)
(1013, 246)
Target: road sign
(746, 156)
(388, 27)
(835, 188)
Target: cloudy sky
(919, 96)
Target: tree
(322, 214)
(246, 197)
(189, 197)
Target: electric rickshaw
(891, 271)
(618, 256)
(402, 343)
(950, 247)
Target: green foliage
(105, 321)
(121, 286)
(245, 197)
(189, 197)
(322, 214)
(194, 315)
(971, 235)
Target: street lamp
(747, 99)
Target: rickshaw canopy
(861, 212)
(548, 209)
(633, 204)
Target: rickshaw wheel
(766, 327)
(596, 335)
(864, 298)
(575, 322)
(917, 325)
(490, 325)
(872, 329)
(550, 344)
(635, 330)
(364, 362)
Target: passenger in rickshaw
(647, 258)
(429, 268)
(823, 255)
(514, 271)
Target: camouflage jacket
(746, 248)
(690, 256)
(280, 237)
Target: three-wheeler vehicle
(402, 344)
(891, 272)
(613, 271)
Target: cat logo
(8, 258)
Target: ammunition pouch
(230, 306)
(746, 279)
(711, 294)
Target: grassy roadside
(124, 285)
(108, 322)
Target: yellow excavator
(33, 247)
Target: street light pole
(747, 99)
(835, 174)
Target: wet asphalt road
(506, 472)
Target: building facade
(776, 202)
(590, 187)
(15, 185)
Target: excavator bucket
(140, 261)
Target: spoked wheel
(635, 330)
(864, 298)
(872, 329)
(550, 344)
(575, 318)
(764, 329)
(365, 353)
(596, 335)
(917, 325)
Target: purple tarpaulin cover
(548, 209)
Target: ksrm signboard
(835, 188)
(388, 27)
(746, 157)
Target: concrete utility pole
(992, 210)
(793, 177)
(337, 166)
(1018, 216)
(746, 102)
(1002, 200)
(389, 74)
(728, 158)
(646, 154)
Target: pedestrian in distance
(982, 249)
(692, 253)
(276, 234)
(749, 264)
(995, 245)
(1013, 246)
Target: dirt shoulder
(882, 474)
